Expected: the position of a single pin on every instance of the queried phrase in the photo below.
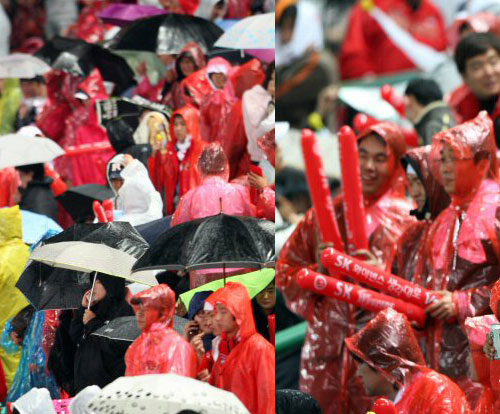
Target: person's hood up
(234, 296)
(218, 65)
(143, 133)
(191, 117)
(388, 344)
(159, 297)
(307, 32)
(482, 22)
(117, 159)
(437, 199)
(468, 140)
(93, 86)
(396, 145)
(194, 51)
(11, 226)
(115, 287)
(197, 303)
(477, 329)
(213, 162)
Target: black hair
(289, 13)
(37, 79)
(295, 402)
(424, 90)
(188, 412)
(269, 74)
(38, 170)
(472, 45)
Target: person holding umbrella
(36, 194)
(99, 361)
(159, 349)
(245, 363)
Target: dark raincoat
(98, 360)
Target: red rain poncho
(214, 194)
(91, 168)
(495, 364)
(462, 247)
(232, 136)
(325, 362)
(89, 26)
(476, 329)
(159, 349)
(367, 50)
(409, 261)
(9, 181)
(248, 370)
(167, 171)
(388, 345)
(173, 97)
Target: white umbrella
(17, 150)
(166, 394)
(85, 257)
(255, 32)
(22, 65)
(37, 400)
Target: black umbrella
(80, 58)
(125, 328)
(169, 33)
(49, 287)
(154, 229)
(219, 241)
(77, 201)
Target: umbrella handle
(92, 290)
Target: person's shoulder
(259, 344)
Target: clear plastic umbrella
(21, 65)
(164, 393)
(16, 150)
(255, 32)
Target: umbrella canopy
(48, 287)
(77, 201)
(17, 150)
(85, 257)
(212, 242)
(255, 32)
(22, 65)
(255, 282)
(154, 66)
(125, 328)
(165, 393)
(122, 14)
(36, 225)
(80, 58)
(168, 33)
(152, 230)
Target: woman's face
(219, 80)
(187, 66)
(180, 128)
(99, 292)
(267, 298)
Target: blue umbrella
(36, 225)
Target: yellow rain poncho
(13, 257)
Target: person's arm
(300, 251)
(265, 379)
